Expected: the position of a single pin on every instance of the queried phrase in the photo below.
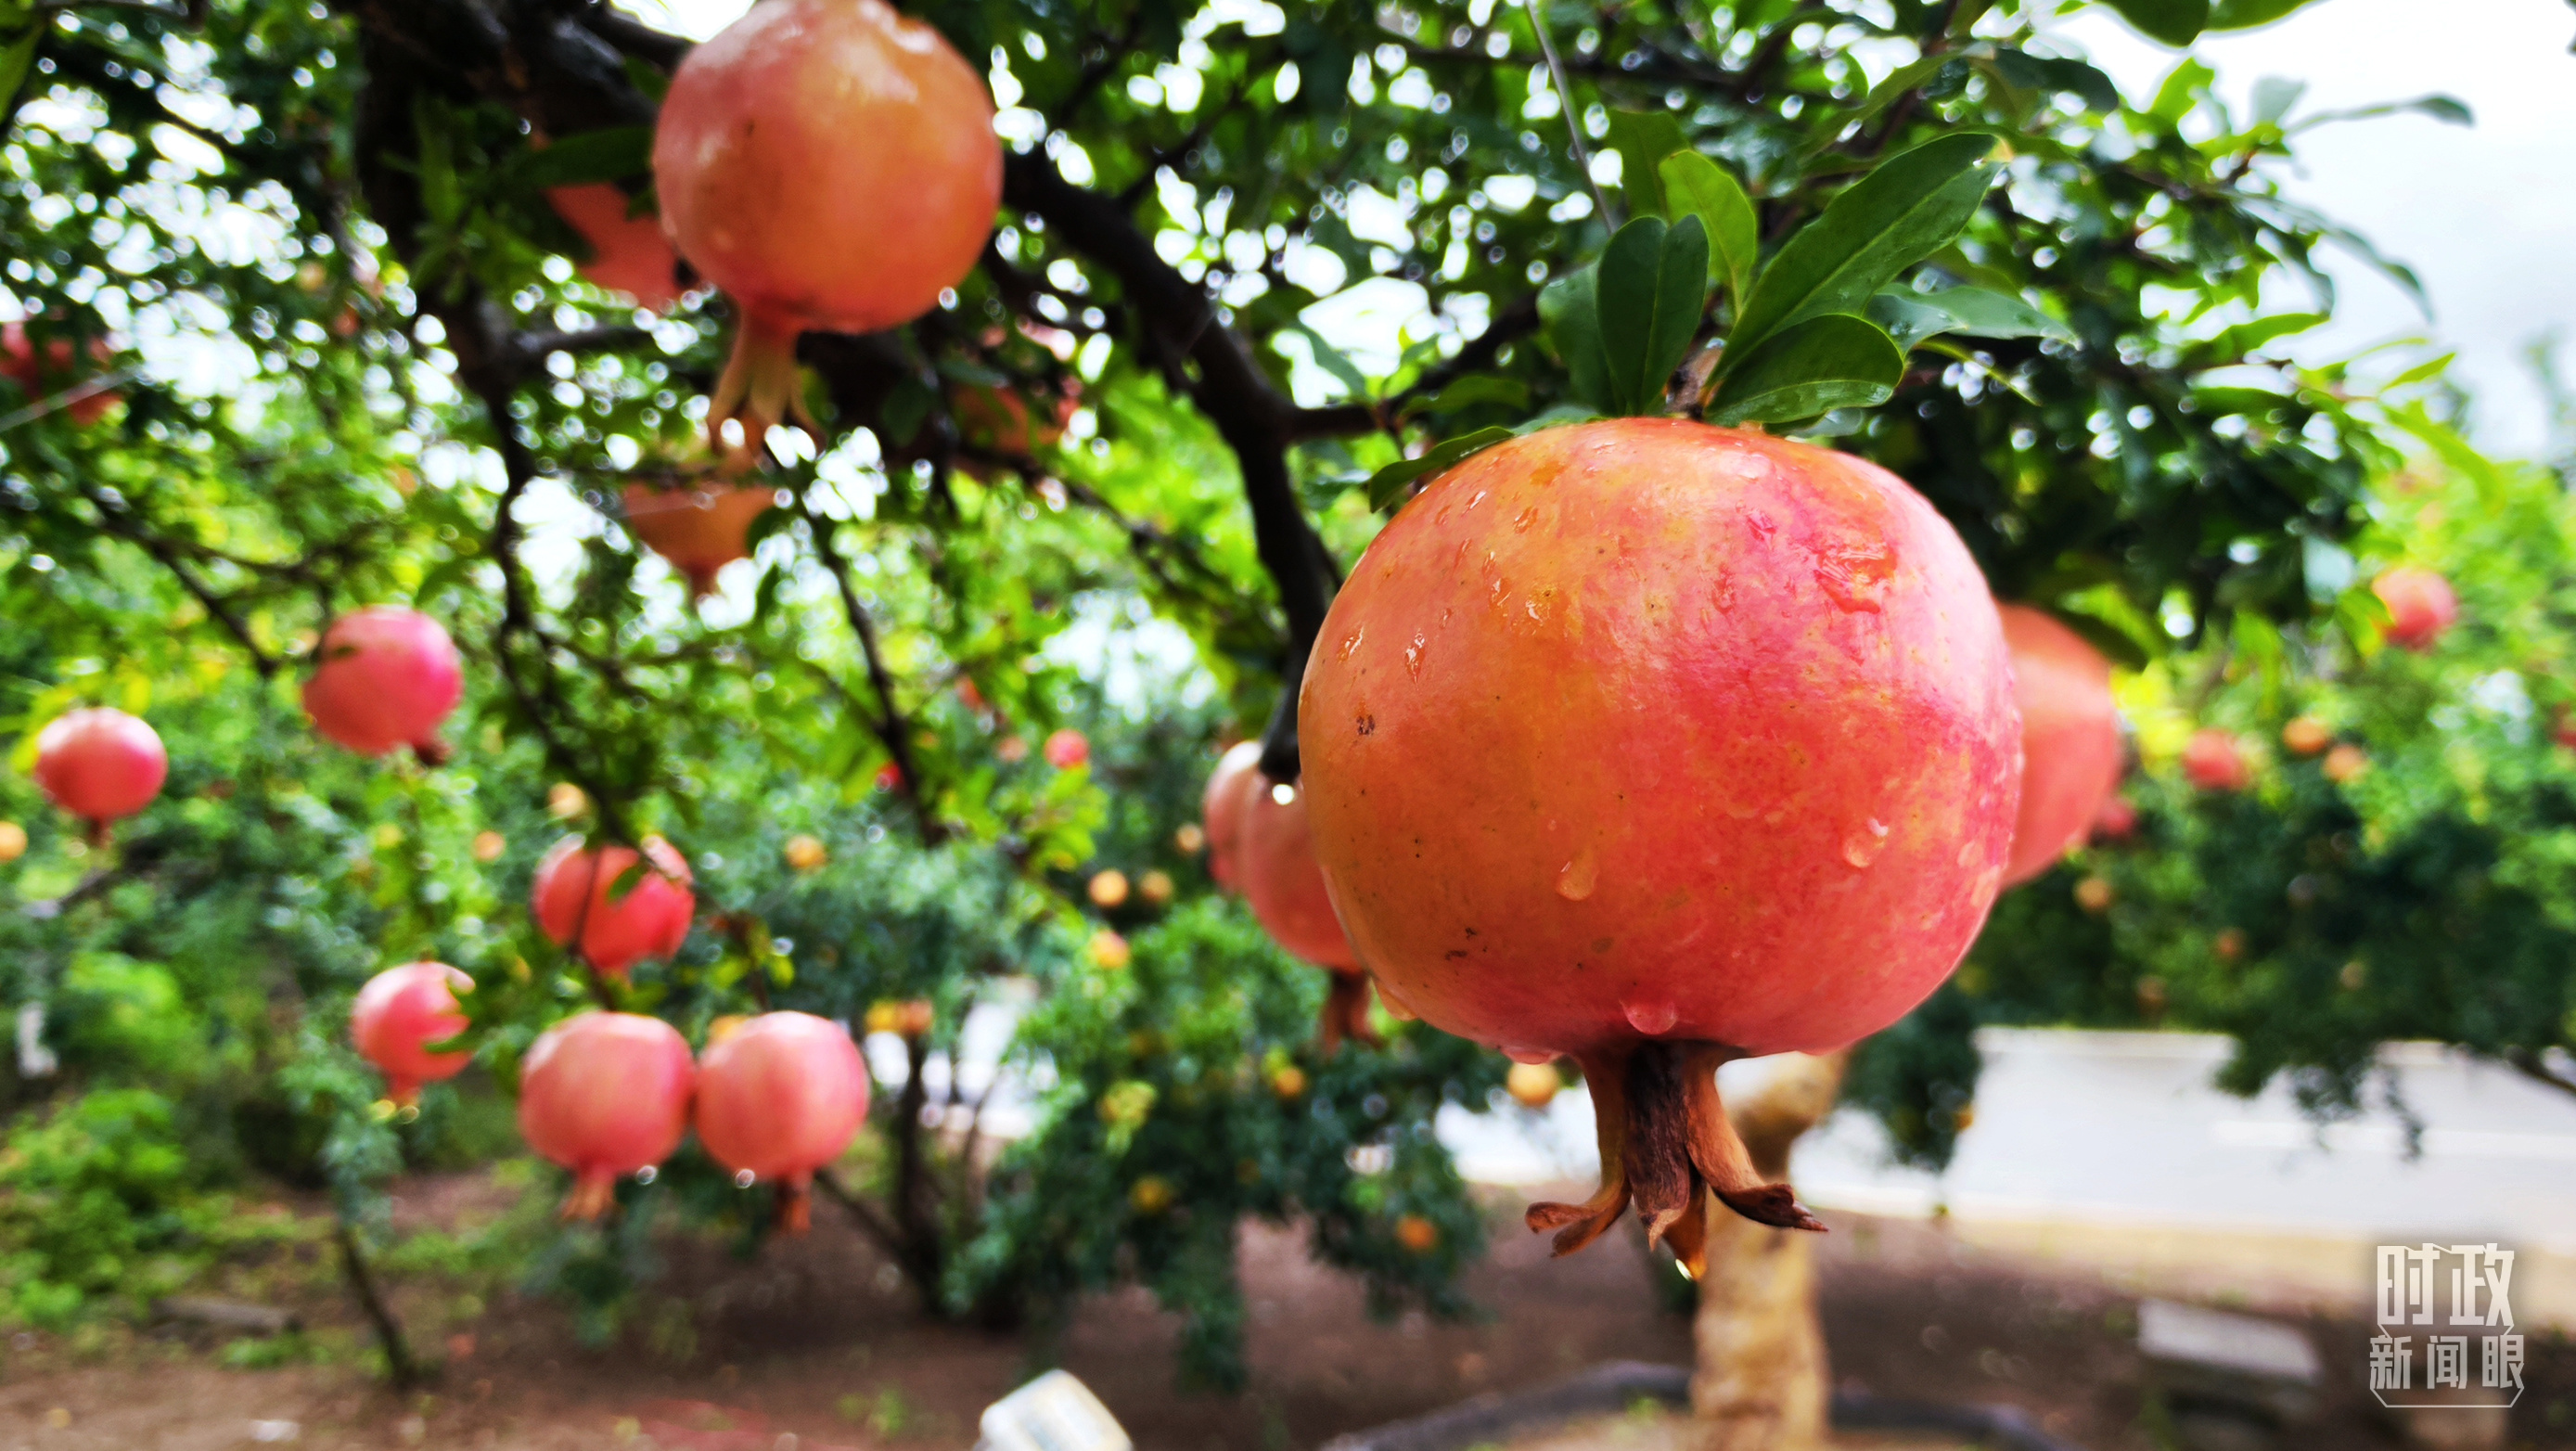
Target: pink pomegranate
(697, 531)
(100, 764)
(778, 1098)
(628, 253)
(387, 677)
(1067, 749)
(1229, 794)
(1658, 744)
(831, 165)
(2214, 760)
(604, 1095)
(2420, 604)
(2070, 738)
(2116, 821)
(55, 373)
(624, 907)
(1275, 858)
(398, 1014)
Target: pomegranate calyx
(433, 752)
(594, 1193)
(1666, 1146)
(1346, 1013)
(795, 1204)
(760, 389)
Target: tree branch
(889, 727)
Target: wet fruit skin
(100, 764)
(2421, 606)
(2070, 734)
(1650, 729)
(1228, 796)
(386, 679)
(605, 1095)
(400, 1010)
(621, 922)
(780, 1097)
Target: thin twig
(1565, 102)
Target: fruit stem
(593, 1192)
(759, 390)
(1346, 1013)
(1666, 1147)
(796, 1204)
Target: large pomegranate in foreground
(388, 676)
(2420, 604)
(604, 1095)
(100, 764)
(622, 912)
(2070, 738)
(1229, 794)
(628, 253)
(54, 373)
(831, 165)
(1660, 744)
(778, 1098)
(1275, 859)
(398, 1013)
(697, 531)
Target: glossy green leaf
(1386, 486)
(591, 156)
(2057, 75)
(1833, 361)
(1476, 389)
(1908, 208)
(1974, 312)
(2172, 22)
(1696, 186)
(13, 66)
(1569, 309)
(2181, 88)
(1333, 360)
(1653, 286)
(2233, 344)
(1643, 139)
(2246, 14)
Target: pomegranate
(2345, 763)
(830, 164)
(628, 254)
(2306, 735)
(697, 531)
(1067, 749)
(1659, 744)
(2070, 738)
(2420, 605)
(604, 1094)
(621, 913)
(13, 842)
(2117, 819)
(1229, 792)
(2215, 761)
(100, 764)
(387, 677)
(1275, 858)
(54, 374)
(778, 1098)
(399, 1012)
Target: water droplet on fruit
(647, 1174)
(1651, 1016)
(1575, 880)
(1524, 519)
(742, 1178)
(1494, 596)
(1284, 794)
(1350, 642)
(1540, 1056)
(1537, 609)
(1761, 523)
(1413, 654)
(1479, 498)
(1863, 846)
(1855, 574)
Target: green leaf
(1643, 139)
(1883, 95)
(2174, 98)
(609, 155)
(13, 66)
(2438, 106)
(2233, 344)
(2273, 98)
(2024, 71)
(2174, 22)
(1569, 308)
(1386, 486)
(1974, 312)
(1696, 186)
(2246, 14)
(1908, 208)
(1653, 285)
(652, 83)
(1474, 389)
(2118, 645)
(1833, 361)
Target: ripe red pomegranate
(55, 373)
(399, 1012)
(2420, 605)
(2070, 738)
(778, 1098)
(697, 531)
(604, 1094)
(2214, 760)
(1275, 857)
(2117, 819)
(1229, 794)
(100, 764)
(1066, 749)
(628, 253)
(831, 165)
(1658, 744)
(387, 677)
(622, 914)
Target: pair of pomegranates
(1260, 844)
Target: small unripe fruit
(1109, 949)
(2229, 944)
(1189, 839)
(1150, 1195)
(1108, 889)
(2095, 895)
(1534, 1085)
(805, 854)
(2421, 606)
(1289, 1082)
(1417, 1234)
(2345, 763)
(1012, 750)
(2306, 735)
(1067, 749)
(488, 846)
(564, 801)
(13, 841)
(2213, 761)
(1156, 887)
(2117, 819)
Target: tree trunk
(1761, 1384)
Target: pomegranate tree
(628, 253)
(100, 764)
(1659, 744)
(387, 677)
(623, 906)
(2070, 738)
(2214, 760)
(605, 1095)
(1229, 793)
(399, 1013)
(696, 531)
(778, 1098)
(2420, 605)
(1275, 858)
(831, 165)
(53, 373)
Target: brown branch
(2532, 1065)
(400, 1368)
(889, 726)
(112, 511)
